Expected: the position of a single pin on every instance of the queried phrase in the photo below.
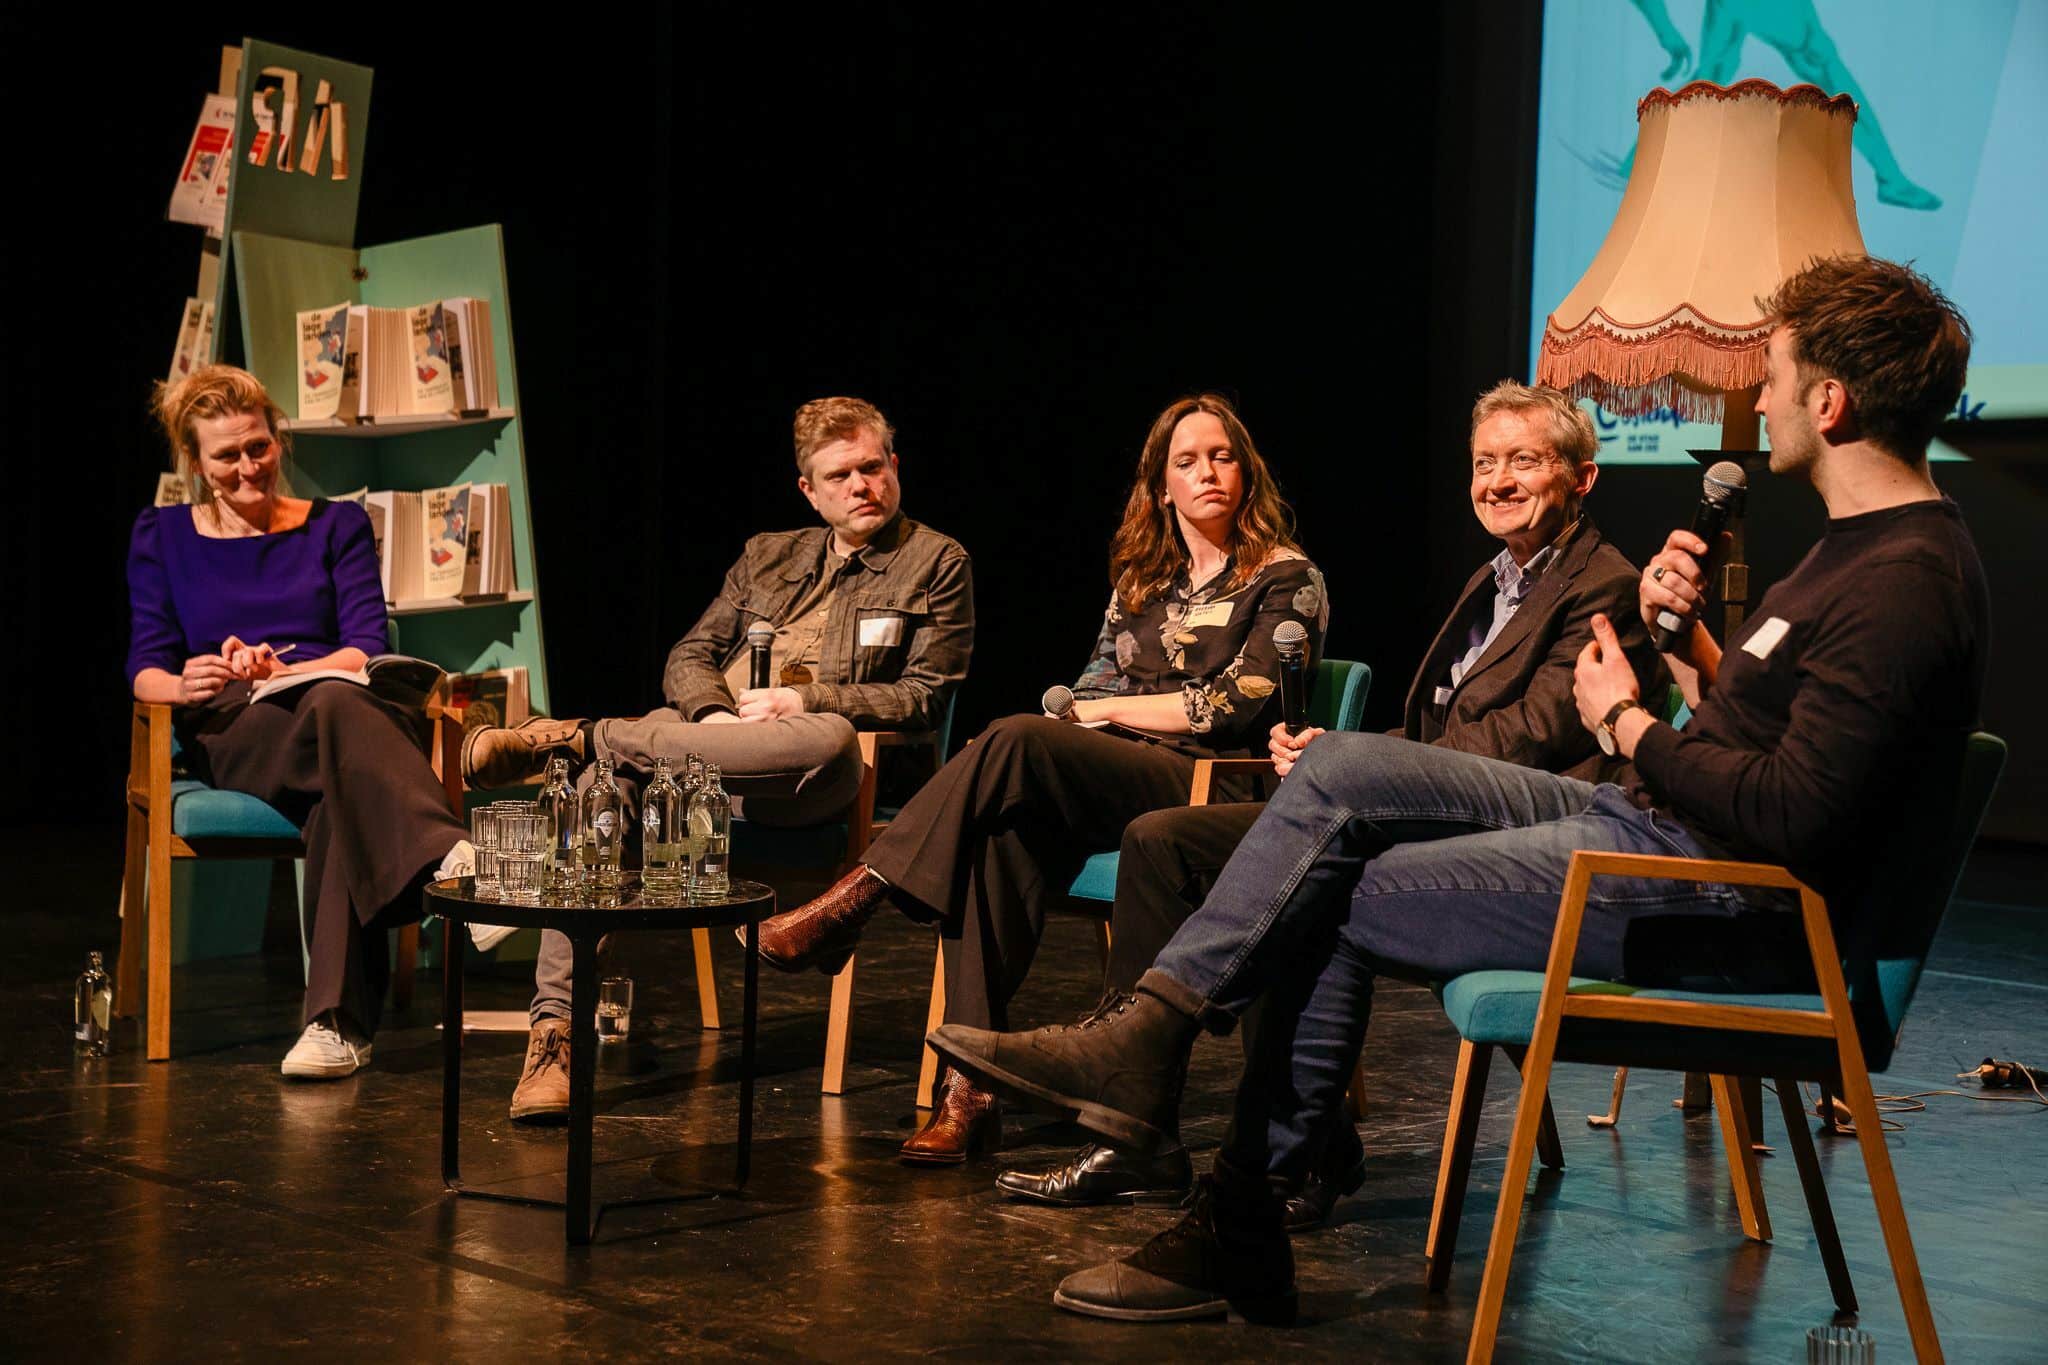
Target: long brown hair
(1148, 552)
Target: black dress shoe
(1118, 1072)
(1229, 1257)
(1102, 1175)
(1339, 1171)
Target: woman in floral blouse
(1203, 568)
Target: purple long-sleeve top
(315, 587)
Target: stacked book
(443, 542)
(359, 363)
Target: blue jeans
(1381, 854)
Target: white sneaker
(323, 1053)
(461, 862)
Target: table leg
(749, 1007)
(582, 1083)
(452, 935)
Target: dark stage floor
(207, 1208)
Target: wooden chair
(1836, 1036)
(172, 818)
(1336, 702)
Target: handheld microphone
(760, 636)
(1057, 701)
(1721, 495)
(1290, 639)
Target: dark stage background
(1019, 232)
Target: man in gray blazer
(1496, 681)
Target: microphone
(1721, 494)
(1057, 701)
(760, 636)
(1290, 639)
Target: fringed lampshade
(1733, 189)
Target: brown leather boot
(966, 1120)
(542, 1095)
(821, 932)
(499, 758)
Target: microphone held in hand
(1290, 641)
(1721, 495)
(760, 636)
(1058, 701)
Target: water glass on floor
(614, 1009)
(1840, 1346)
(483, 835)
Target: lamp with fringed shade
(1733, 189)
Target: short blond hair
(1572, 437)
(210, 391)
(822, 421)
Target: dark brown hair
(1894, 340)
(1148, 553)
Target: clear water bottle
(710, 836)
(664, 820)
(93, 1010)
(603, 831)
(691, 781)
(558, 802)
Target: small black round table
(584, 916)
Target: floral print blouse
(1214, 647)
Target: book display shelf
(288, 246)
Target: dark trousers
(992, 843)
(1168, 861)
(347, 769)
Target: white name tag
(1209, 614)
(1766, 637)
(881, 630)
(1443, 696)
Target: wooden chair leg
(408, 965)
(838, 1025)
(1354, 1096)
(1742, 1167)
(1102, 942)
(157, 1006)
(928, 1065)
(135, 871)
(1514, 1187)
(1549, 1148)
(1613, 1114)
(707, 978)
(1454, 1172)
(1817, 1206)
(1891, 1213)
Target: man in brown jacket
(1497, 680)
(873, 619)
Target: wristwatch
(1609, 745)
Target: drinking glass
(1840, 1346)
(614, 1009)
(524, 844)
(483, 834)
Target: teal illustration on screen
(1950, 168)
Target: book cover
(432, 388)
(171, 490)
(188, 339)
(490, 698)
(445, 546)
(194, 198)
(323, 344)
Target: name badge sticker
(1209, 614)
(879, 631)
(1765, 637)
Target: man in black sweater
(1849, 694)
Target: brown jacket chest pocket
(883, 626)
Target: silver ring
(1657, 574)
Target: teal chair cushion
(1500, 1007)
(202, 812)
(1097, 881)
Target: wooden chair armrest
(1206, 770)
(1661, 868)
(447, 753)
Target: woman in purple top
(246, 585)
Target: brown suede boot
(542, 1095)
(966, 1120)
(499, 758)
(821, 933)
